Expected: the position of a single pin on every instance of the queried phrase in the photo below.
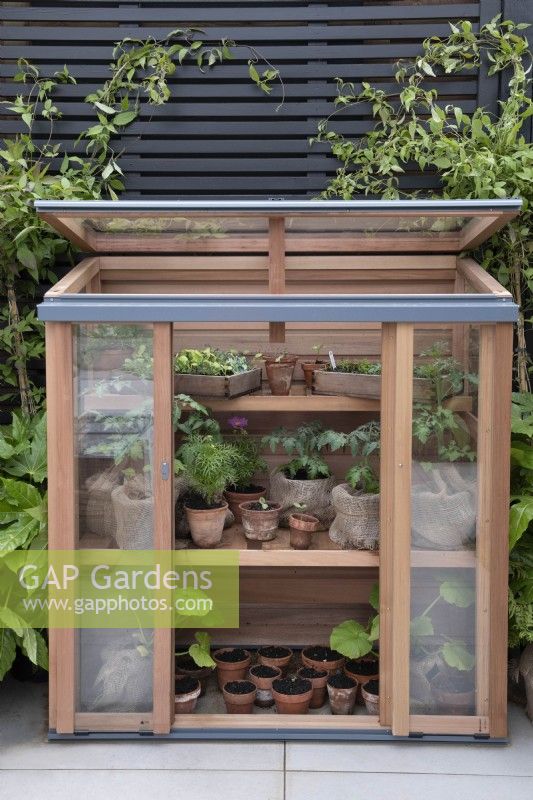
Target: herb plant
(210, 362)
(306, 443)
(364, 442)
(209, 465)
(363, 367)
(248, 459)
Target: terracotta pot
(287, 359)
(236, 498)
(302, 527)
(309, 368)
(318, 697)
(281, 663)
(200, 673)
(239, 703)
(280, 377)
(186, 703)
(458, 703)
(372, 701)
(330, 666)
(292, 703)
(342, 701)
(110, 359)
(264, 697)
(231, 670)
(260, 526)
(361, 677)
(206, 525)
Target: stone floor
(32, 767)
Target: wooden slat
(71, 229)
(276, 270)
(479, 279)
(359, 722)
(494, 410)
(451, 725)
(482, 228)
(79, 278)
(395, 540)
(113, 722)
(163, 452)
(62, 517)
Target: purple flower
(238, 423)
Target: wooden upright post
(163, 493)
(276, 270)
(62, 509)
(395, 522)
(494, 422)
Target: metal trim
(278, 308)
(290, 734)
(279, 206)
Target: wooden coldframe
(277, 582)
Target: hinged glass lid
(336, 225)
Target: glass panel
(444, 502)
(113, 385)
(182, 228)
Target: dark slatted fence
(219, 135)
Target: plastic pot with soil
(362, 670)
(292, 695)
(206, 520)
(318, 678)
(342, 692)
(239, 696)
(232, 664)
(186, 666)
(321, 657)
(273, 656)
(302, 528)
(187, 692)
(280, 371)
(242, 494)
(263, 676)
(370, 692)
(260, 519)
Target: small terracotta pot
(287, 359)
(302, 527)
(309, 368)
(260, 526)
(458, 703)
(342, 701)
(318, 697)
(264, 697)
(330, 666)
(372, 701)
(236, 498)
(186, 703)
(280, 377)
(281, 663)
(239, 703)
(206, 524)
(200, 673)
(292, 703)
(231, 670)
(362, 678)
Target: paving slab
(421, 757)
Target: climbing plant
(478, 155)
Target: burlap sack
(444, 506)
(133, 504)
(356, 525)
(315, 495)
(124, 681)
(99, 512)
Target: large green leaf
(522, 454)
(9, 619)
(20, 495)
(30, 462)
(421, 626)
(374, 597)
(42, 651)
(350, 639)
(8, 648)
(456, 655)
(520, 516)
(19, 533)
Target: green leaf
(520, 516)
(522, 454)
(421, 626)
(456, 655)
(200, 656)
(11, 620)
(8, 649)
(124, 118)
(350, 639)
(457, 592)
(374, 597)
(104, 108)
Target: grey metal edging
(279, 735)
(473, 308)
(280, 206)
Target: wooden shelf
(293, 402)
